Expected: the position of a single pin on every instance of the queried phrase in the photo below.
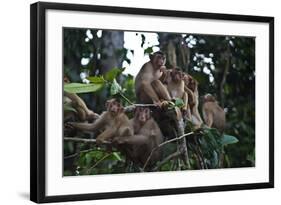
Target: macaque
(176, 89)
(191, 88)
(113, 122)
(213, 114)
(147, 136)
(149, 89)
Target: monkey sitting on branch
(147, 136)
(148, 87)
(191, 88)
(213, 114)
(175, 85)
(113, 122)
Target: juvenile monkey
(191, 88)
(213, 114)
(176, 89)
(114, 123)
(147, 136)
(149, 89)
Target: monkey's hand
(164, 104)
(92, 116)
(70, 125)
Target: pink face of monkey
(113, 106)
(158, 60)
(142, 114)
(176, 75)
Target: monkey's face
(142, 115)
(176, 75)
(209, 98)
(113, 106)
(158, 60)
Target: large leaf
(82, 88)
(113, 73)
(115, 88)
(228, 139)
(96, 79)
(179, 102)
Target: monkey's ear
(107, 103)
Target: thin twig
(164, 143)
(92, 167)
(75, 154)
(132, 107)
(123, 96)
(76, 139)
(168, 158)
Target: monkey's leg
(160, 90)
(149, 91)
(83, 110)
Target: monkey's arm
(98, 124)
(185, 100)
(189, 92)
(186, 108)
(208, 117)
(81, 107)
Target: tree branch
(76, 139)
(168, 158)
(164, 143)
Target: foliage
(222, 65)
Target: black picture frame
(38, 101)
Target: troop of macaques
(138, 137)
(147, 136)
(213, 114)
(113, 122)
(148, 87)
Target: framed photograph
(129, 102)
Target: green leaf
(179, 102)
(115, 88)
(88, 158)
(148, 50)
(96, 79)
(82, 88)
(228, 139)
(113, 73)
(117, 156)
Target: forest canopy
(103, 64)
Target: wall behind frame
(14, 103)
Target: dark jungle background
(223, 65)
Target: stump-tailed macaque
(191, 88)
(149, 89)
(213, 114)
(147, 136)
(176, 89)
(113, 122)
